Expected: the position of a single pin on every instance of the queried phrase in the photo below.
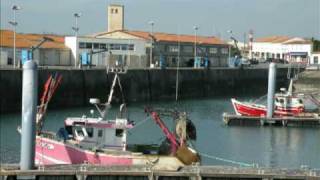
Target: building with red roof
(290, 49)
(50, 53)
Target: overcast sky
(214, 17)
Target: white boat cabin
(285, 99)
(90, 133)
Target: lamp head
(77, 15)
(16, 7)
(13, 23)
(151, 23)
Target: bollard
(271, 89)
(29, 111)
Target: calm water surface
(286, 147)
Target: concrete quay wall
(309, 82)
(139, 84)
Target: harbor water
(285, 147)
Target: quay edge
(85, 171)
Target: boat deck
(302, 120)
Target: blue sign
(162, 62)
(85, 58)
(197, 62)
(26, 55)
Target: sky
(213, 17)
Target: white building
(107, 52)
(282, 47)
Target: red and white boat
(104, 142)
(286, 104)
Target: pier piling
(29, 111)
(271, 89)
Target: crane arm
(170, 136)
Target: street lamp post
(195, 41)
(229, 46)
(14, 24)
(76, 30)
(151, 23)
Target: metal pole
(76, 33)
(229, 54)
(271, 89)
(29, 111)
(195, 43)
(14, 39)
(177, 78)
(76, 26)
(151, 48)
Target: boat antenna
(108, 103)
(290, 88)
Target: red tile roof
(283, 40)
(166, 37)
(28, 40)
(273, 39)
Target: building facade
(106, 52)
(169, 49)
(282, 48)
(53, 53)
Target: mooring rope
(140, 123)
(243, 164)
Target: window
(224, 50)
(112, 11)
(119, 132)
(79, 131)
(100, 133)
(124, 47)
(89, 132)
(96, 45)
(315, 60)
(89, 45)
(173, 48)
(103, 46)
(116, 11)
(82, 45)
(174, 61)
(213, 50)
(201, 49)
(188, 49)
(115, 46)
(131, 47)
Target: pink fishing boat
(104, 142)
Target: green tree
(315, 44)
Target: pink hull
(247, 109)
(49, 152)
